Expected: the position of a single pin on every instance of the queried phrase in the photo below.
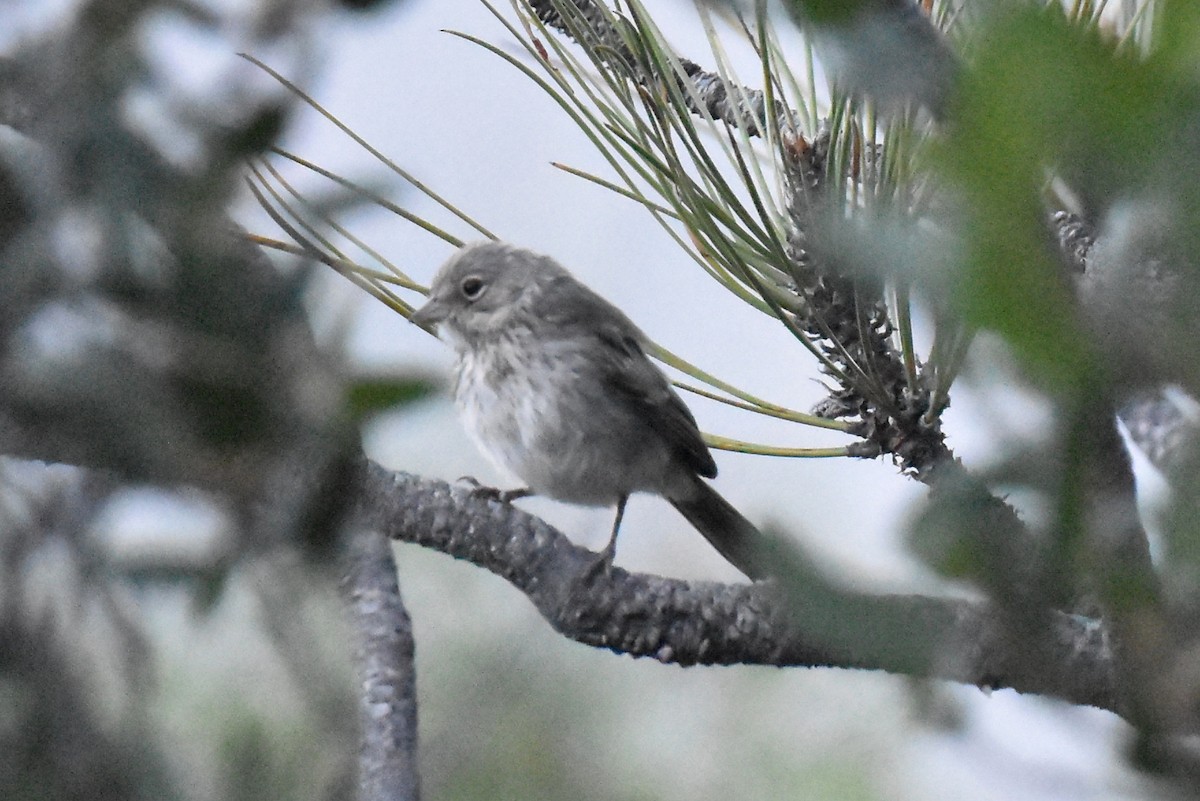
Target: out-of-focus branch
(142, 336)
(59, 742)
(1162, 421)
(1164, 425)
(1128, 589)
(386, 666)
(1121, 581)
(887, 50)
(1075, 238)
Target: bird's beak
(429, 315)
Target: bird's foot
(494, 493)
(606, 557)
(603, 563)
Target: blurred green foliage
(366, 396)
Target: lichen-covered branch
(690, 623)
(705, 93)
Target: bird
(554, 385)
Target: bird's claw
(476, 487)
(493, 493)
(603, 563)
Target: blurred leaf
(210, 587)
(939, 538)
(1180, 525)
(365, 5)
(836, 12)
(373, 394)
(1178, 35)
(225, 415)
(1046, 95)
(320, 517)
(889, 51)
(259, 133)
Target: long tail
(734, 537)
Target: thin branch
(709, 93)
(387, 671)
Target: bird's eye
(472, 287)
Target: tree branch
(596, 28)
(689, 623)
(384, 657)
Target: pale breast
(541, 414)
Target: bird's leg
(494, 493)
(609, 554)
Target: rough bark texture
(691, 623)
(386, 666)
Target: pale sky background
(483, 136)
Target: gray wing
(625, 367)
(636, 377)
